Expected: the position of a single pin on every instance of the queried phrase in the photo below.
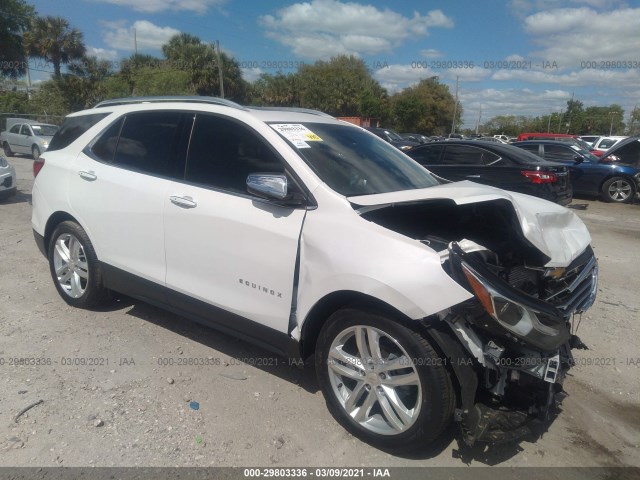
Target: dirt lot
(132, 407)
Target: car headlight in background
(3, 162)
(404, 148)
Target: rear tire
(74, 267)
(618, 190)
(35, 152)
(382, 381)
(7, 149)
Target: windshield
(44, 130)
(394, 135)
(352, 161)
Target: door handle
(90, 176)
(184, 202)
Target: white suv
(422, 302)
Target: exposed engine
(518, 330)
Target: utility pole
(549, 122)
(571, 114)
(479, 117)
(135, 41)
(220, 69)
(613, 114)
(455, 109)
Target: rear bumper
(40, 243)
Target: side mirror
(578, 159)
(268, 186)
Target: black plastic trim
(200, 312)
(40, 243)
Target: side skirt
(201, 312)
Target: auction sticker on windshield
(296, 133)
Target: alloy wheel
(374, 380)
(71, 266)
(620, 190)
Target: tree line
(575, 120)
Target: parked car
(504, 138)
(590, 175)
(625, 152)
(589, 139)
(415, 137)
(312, 237)
(7, 179)
(393, 138)
(498, 165)
(28, 138)
(602, 144)
(491, 139)
(544, 136)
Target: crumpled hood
(555, 230)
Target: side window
(222, 153)
(105, 147)
(559, 153)
(607, 143)
(72, 129)
(463, 155)
(148, 143)
(427, 155)
(535, 149)
(25, 130)
(15, 129)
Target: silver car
(7, 179)
(29, 138)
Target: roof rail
(173, 98)
(294, 109)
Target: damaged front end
(518, 328)
(531, 271)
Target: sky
(511, 57)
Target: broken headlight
(510, 314)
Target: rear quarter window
(73, 128)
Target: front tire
(382, 381)
(7, 149)
(35, 152)
(74, 267)
(618, 190)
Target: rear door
(119, 188)
(224, 247)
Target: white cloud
(515, 58)
(570, 36)
(431, 53)
(513, 101)
(154, 6)
(102, 53)
(120, 36)
(323, 28)
(251, 74)
(396, 77)
(579, 78)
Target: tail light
(540, 177)
(37, 166)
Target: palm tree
(52, 39)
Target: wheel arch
(614, 175)
(329, 304)
(54, 220)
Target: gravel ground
(130, 404)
